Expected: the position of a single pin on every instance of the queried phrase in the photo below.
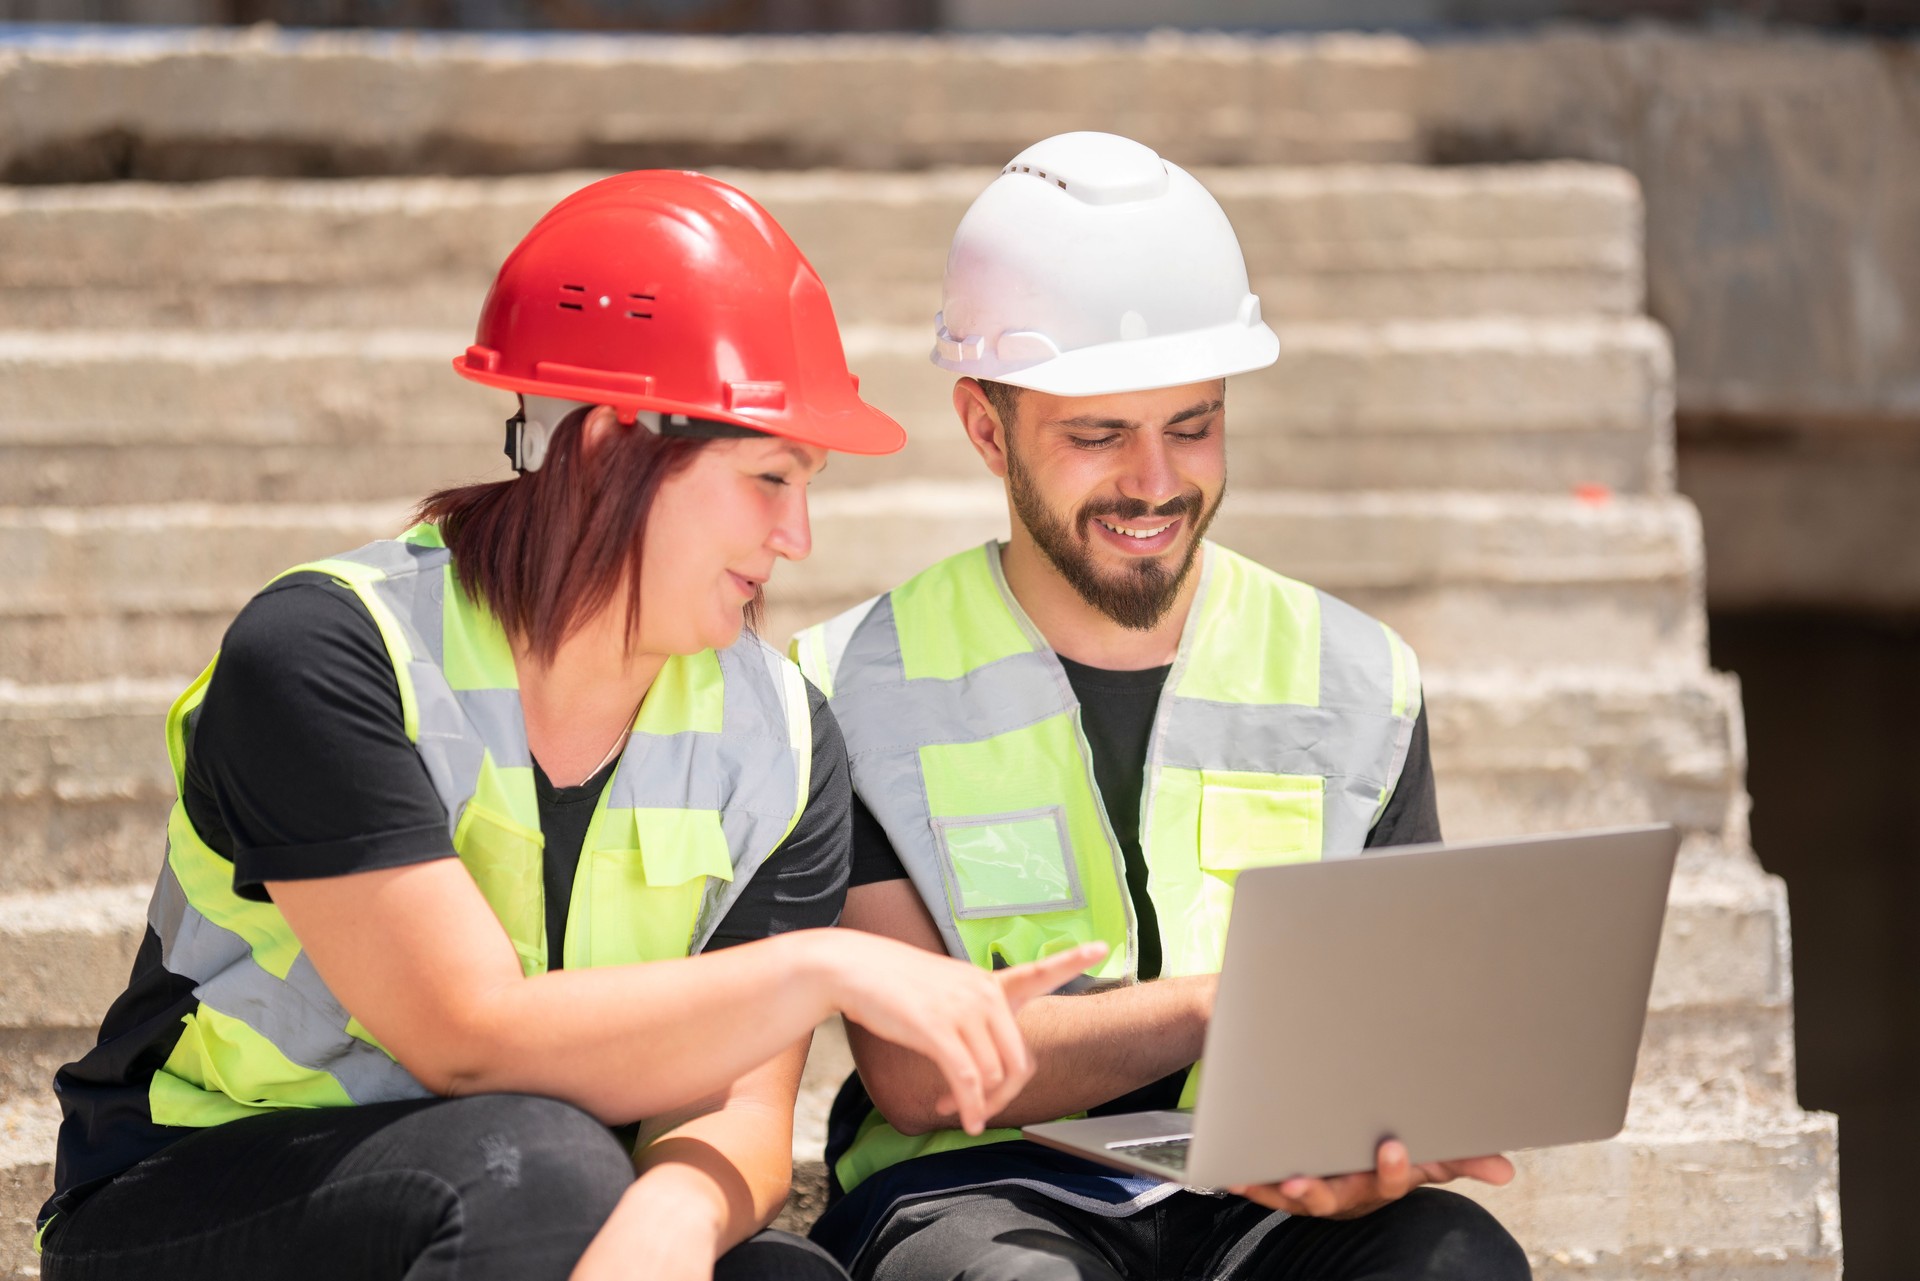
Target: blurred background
(1563, 257)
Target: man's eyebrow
(1088, 422)
(1200, 410)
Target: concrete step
(200, 104)
(67, 954)
(84, 782)
(1710, 1205)
(127, 416)
(85, 785)
(1517, 752)
(1468, 578)
(1326, 243)
(27, 1129)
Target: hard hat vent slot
(633, 300)
(1037, 173)
(572, 289)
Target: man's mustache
(1187, 504)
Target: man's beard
(1140, 595)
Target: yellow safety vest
(1281, 732)
(713, 778)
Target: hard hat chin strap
(530, 431)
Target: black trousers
(1012, 1233)
(492, 1188)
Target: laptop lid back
(1513, 975)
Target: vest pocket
(1258, 820)
(1009, 864)
(640, 892)
(504, 859)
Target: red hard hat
(669, 291)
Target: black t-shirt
(347, 792)
(1117, 710)
(298, 767)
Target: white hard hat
(1091, 266)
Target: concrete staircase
(1469, 434)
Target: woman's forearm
(643, 1040)
(419, 958)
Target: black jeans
(493, 1187)
(1011, 1233)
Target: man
(1085, 733)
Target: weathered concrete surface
(1782, 171)
(26, 1177)
(1611, 1208)
(1322, 243)
(1782, 179)
(1801, 516)
(1529, 751)
(84, 783)
(105, 417)
(1469, 579)
(215, 103)
(67, 953)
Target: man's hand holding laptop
(1348, 1196)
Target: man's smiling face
(1117, 490)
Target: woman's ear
(601, 425)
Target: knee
(526, 1148)
(772, 1255)
(1443, 1236)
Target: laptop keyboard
(1168, 1154)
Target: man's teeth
(1136, 533)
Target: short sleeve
(298, 761)
(803, 884)
(874, 858)
(1412, 816)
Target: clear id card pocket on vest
(1009, 864)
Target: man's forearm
(1087, 1050)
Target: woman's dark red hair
(549, 549)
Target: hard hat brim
(858, 428)
(1138, 364)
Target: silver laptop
(1465, 999)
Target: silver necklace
(619, 741)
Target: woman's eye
(773, 479)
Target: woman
(500, 837)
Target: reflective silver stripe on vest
(457, 727)
(298, 1014)
(875, 704)
(835, 634)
